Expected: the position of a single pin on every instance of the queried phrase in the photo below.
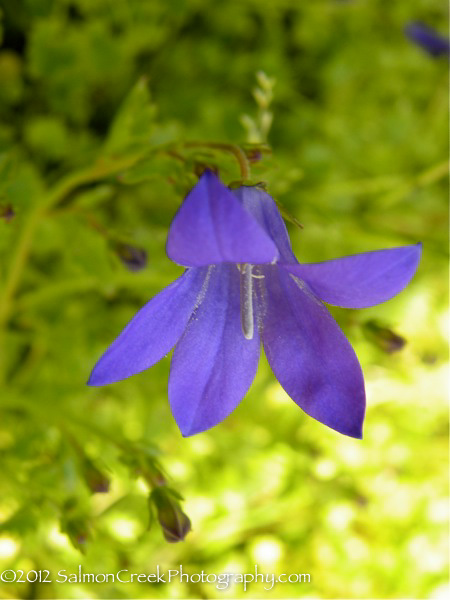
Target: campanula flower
(243, 286)
(428, 39)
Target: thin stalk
(238, 153)
(55, 195)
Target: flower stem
(238, 153)
(54, 197)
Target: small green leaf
(134, 123)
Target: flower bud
(174, 523)
(132, 257)
(78, 533)
(95, 479)
(383, 337)
(75, 524)
(7, 212)
(253, 155)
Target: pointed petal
(310, 356)
(212, 227)
(265, 211)
(363, 279)
(153, 331)
(213, 364)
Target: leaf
(20, 182)
(134, 123)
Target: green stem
(69, 287)
(389, 184)
(433, 174)
(238, 153)
(54, 197)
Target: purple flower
(428, 39)
(243, 285)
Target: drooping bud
(75, 524)
(253, 155)
(78, 533)
(7, 212)
(174, 522)
(97, 481)
(383, 337)
(132, 257)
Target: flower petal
(213, 364)
(363, 279)
(310, 356)
(212, 227)
(153, 331)
(265, 211)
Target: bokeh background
(97, 101)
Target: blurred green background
(97, 101)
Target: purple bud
(427, 38)
(77, 530)
(95, 479)
(174, 523)
(7, 212)
(254, 155)
(134, 258)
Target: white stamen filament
(246, 280)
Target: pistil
(246, 281)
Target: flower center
(246, 285)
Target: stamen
(246, 301)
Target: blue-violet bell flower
(243, 285)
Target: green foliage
(108, 111)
